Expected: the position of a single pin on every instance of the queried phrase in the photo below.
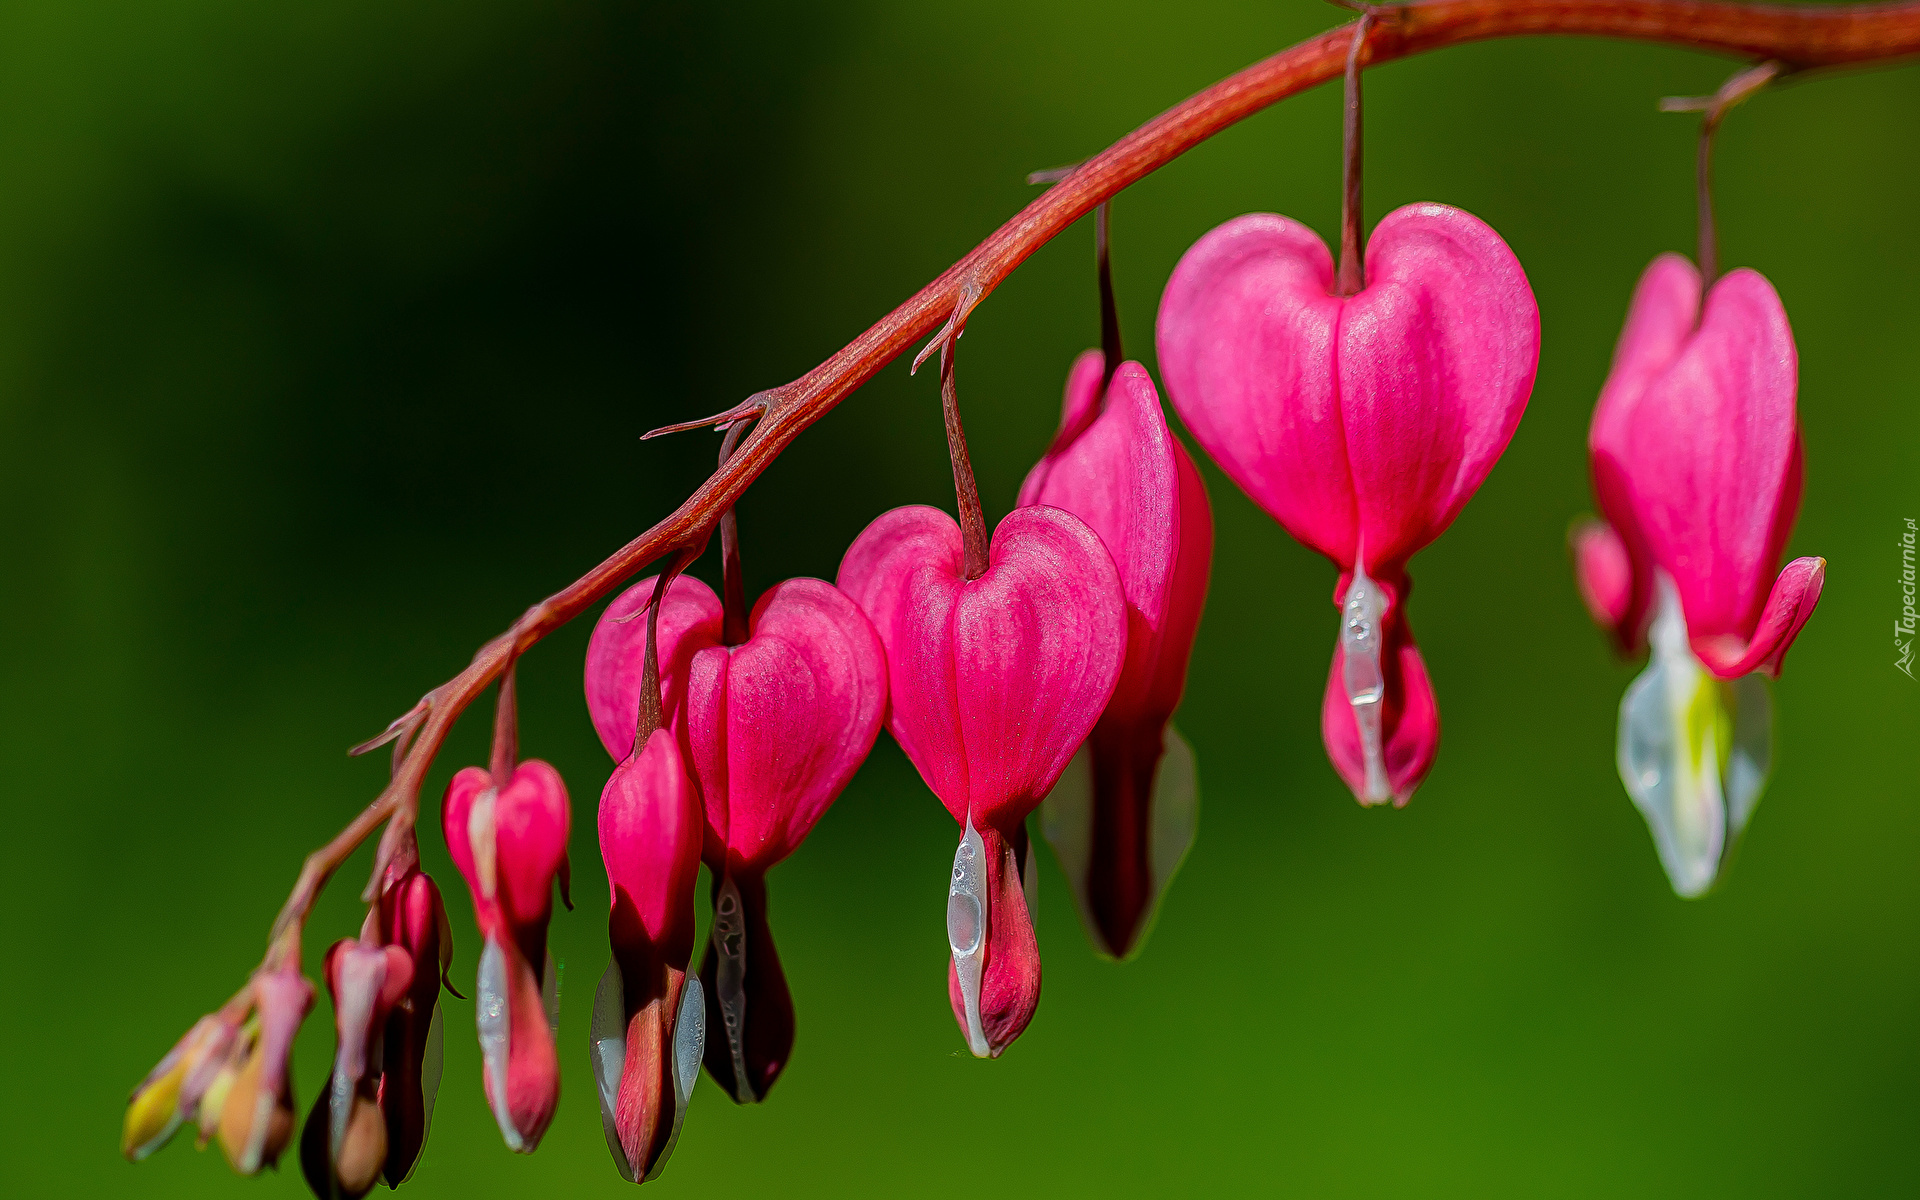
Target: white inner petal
(1363, 677)
(730, 980)
(689, 1045)
(967, 908)
(1694, 753)
(492, 1015)
(607, 1042)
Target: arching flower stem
(1798, 36)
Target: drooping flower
(649, 1018)
(994, 682)
(372, 1119)
(411, 916)
(1697, 466)
(1362, 423)
(510, 844)
(344, 1148)
(773, 728)
(1122, 816)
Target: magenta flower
(1697, 466)
(1362, 423)
(1122, 816)
(510, 844)
(993, 682)
(774, 728)
(648, 1016)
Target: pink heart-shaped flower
(1697, 463)
(1362, 423)
(994, 682)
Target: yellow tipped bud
(153, 1112)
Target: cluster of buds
(231, 1075)
(1037, 666)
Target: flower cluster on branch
(1036, 667)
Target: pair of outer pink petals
(510, 845)
(1363, 424)
(1697, 467)
(761, 737)
(1116, 466)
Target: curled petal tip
(1789, 604)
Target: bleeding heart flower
(648, 1017)
(344, 1147)
(1697, 465)
(994, 682)
(510, 844)
(1362, 423)
(1122, 816)
(774, 728)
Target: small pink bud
(412, 917)
(255, 1106)
(648, 1016)
(509, 845)
(345, 1145)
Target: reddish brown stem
(1799, 36)
(1353, 235)
(1715, 109)
(506, 733)
(733, 589)
(973, 522)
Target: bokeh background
(326, 335)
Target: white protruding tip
(1364, 678)
(495, 1022)
(967, 912)
(730, 980)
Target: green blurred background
(326, 334)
